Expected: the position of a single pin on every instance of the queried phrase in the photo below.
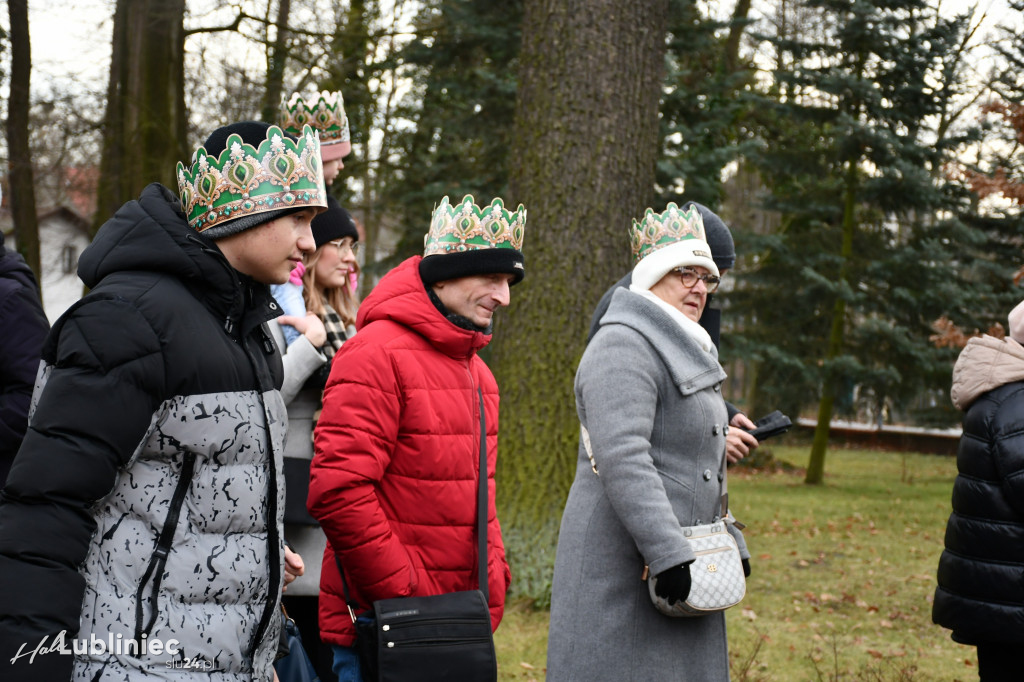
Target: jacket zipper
(158, 561)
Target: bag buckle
(351, 612)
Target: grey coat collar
(691, 368)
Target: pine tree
(842, 298)
(703, 104)
(462, 103)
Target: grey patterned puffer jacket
(156, 422)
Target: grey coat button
(718, 388)
(707, 474)
(725, 430)
(714, 430)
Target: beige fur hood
(985, 363)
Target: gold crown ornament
(658, 230)
(326, 113)
(467, 227)
(245, 180)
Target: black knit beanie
(444, 266)
(334, 223)
(252, 133)
(719, 238)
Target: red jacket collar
(401, 297)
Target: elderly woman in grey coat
(648, 395)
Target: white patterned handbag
(716, 577)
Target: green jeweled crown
(465, 227)
(658, 230)
(245, 180)
(325, 112)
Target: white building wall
(61, 242)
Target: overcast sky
(71, 39)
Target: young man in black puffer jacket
(144, 506)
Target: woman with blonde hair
(331, 305)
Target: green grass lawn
(843, 576)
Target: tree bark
(22, 183)
(583, 162)
(144, 132)
(732, 44)
(277, 58)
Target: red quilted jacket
(394, 477)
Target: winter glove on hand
(746, 568)
(673, 584)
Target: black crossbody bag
(437, 638)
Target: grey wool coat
(650, 398)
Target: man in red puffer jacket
(397, 446)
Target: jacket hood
(984, 364)
(401, 297)
(691, 367)
(13, 266)
(152, 234)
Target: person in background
(980, 593)
(145, 504)
(332, 306)
(397, 447)
(24, 326)
(649, 401)
(325, 112)
(719, 237)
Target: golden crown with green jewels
(467, 227)
(326, 113)
(244, 180)
(658, 230)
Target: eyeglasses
(689, 278)
(342, 245)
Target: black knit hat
(466, 240)
(252, 133)
(334, 223)
(719, 238)
(445, 266)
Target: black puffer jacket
(23, 327)
(157, 417)
(980, 596)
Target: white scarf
(689, 327)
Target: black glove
(746, 568)
(674, 584)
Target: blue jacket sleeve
(289, 297)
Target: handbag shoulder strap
(481, 502)
(481, 520)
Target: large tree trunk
(22, 184)
(144, 133)
(583, 165)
